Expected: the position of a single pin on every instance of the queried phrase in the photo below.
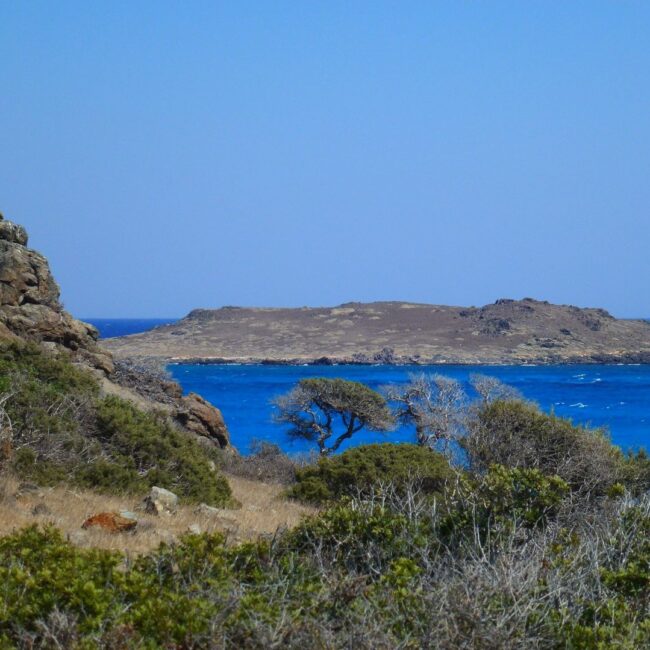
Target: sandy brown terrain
(508, 331)
(263, 511)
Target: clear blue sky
(172, 155)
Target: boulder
(111, 522)
(200, 417)
(12, 232)
(160, 501)
(205, 510)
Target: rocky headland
(31, 312)
(506, 332)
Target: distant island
(506, 332)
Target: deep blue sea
(616, 397)
(109, 327)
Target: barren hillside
(508, 331)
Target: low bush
(500, 501)
(636, 472)
(378, 572)
(46, 404)
(62, 431)
(363, 468)
(517, 434)
(267, 462)
(144, 450)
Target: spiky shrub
(363, 468)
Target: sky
(172, 155)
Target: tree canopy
(323, 409)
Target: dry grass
(263, 511)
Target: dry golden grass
(263, 511)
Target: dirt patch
(263, 511)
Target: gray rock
(13, 233)
(207, 511)
(127, 514)
(195, 529)
(160, 501)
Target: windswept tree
(330, 411)
(435, 405)
(490, 389)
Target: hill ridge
(507, 331)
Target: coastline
(610, 359)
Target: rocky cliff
(31, 311)
(505, 332)
(30, 308)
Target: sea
(616, 397)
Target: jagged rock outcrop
(30, 308)
(192, 412)
(200, 417)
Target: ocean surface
(615, 397)
(109, 327)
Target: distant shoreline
(506, 332)
(207, 361)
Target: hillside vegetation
(57, 428)
(539, 539)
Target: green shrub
(49, 403)
(363, 574)
(50, 373)
(615, 612)
(27, 465)
(62, 432)
(364, 468)
(503, 499)
(40, 573)
(517, 434)
(144, 450)
(636, 472)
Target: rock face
(192, 413)
(30, 310)
(200, 417)
(29, 303)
